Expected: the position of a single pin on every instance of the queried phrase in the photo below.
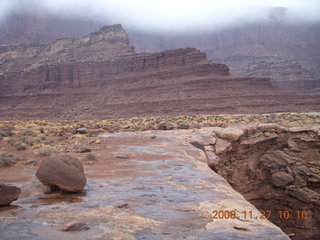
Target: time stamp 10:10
(232, 214)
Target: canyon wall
(274, 167)
(286, 53)
(101, 76)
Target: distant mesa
(100, 75)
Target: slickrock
(165, 190)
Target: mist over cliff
(171, 16)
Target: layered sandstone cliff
(100, 75)
(289, 53)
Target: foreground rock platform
(163, 189)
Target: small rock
(46, 189)
(122, 156)
(184, 126)
(153, 137)
(82, 149)
(74, 226)
(8, 194)
(165, 126)
(122, 205)
(31, 162)
(281, 179)
(80, 131)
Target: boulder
(8, 194)
(229, 133)
(61, 171)
(270, 161)
(281, 179)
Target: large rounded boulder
(62, 171)
(8, 194)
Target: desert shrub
(12, 141)
(8, 159)
(91, 157)
(48, 142)
(28, 132)
(20, 146)
(30, 141)
(5, 133)
(44, 152)
(7, 128)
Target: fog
(172, 15)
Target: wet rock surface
(164, 190)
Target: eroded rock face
(64, 172)
(275, 168)
(69, 78)
(8, 194)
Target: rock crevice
(276, 168)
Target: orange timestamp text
(232, 214)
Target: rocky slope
(101, 76)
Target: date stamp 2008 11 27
(232, 214)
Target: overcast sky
(167, 15)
